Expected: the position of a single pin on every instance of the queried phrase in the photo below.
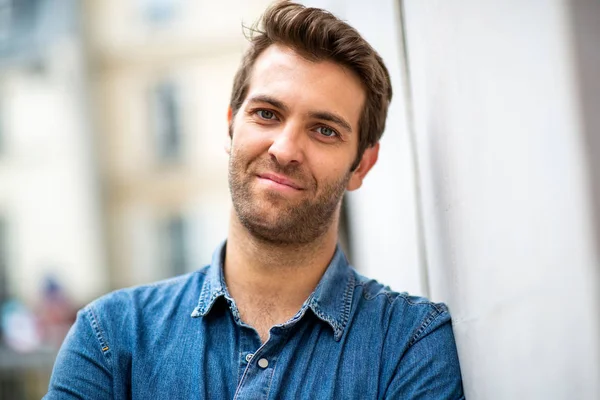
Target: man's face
(293, 142)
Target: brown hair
(318, 35)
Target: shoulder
(414, 316)
(416, 338)
(165, 296)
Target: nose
(288, 145)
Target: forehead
(306, 85)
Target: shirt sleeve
(82, 370)
(429, 369)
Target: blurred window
(176, 245)
(167, 121)
(157, 12)
(17, 24)
(6, 13)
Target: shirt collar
(213, 286)
(331, 300)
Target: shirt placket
(257, 379)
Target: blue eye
(266, 114)
(326, 131)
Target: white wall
(506, 194)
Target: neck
(280, 275)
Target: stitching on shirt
(272, 376)
(426, 323)
(200, 306)
(284, 340)
(338, 325)
(384, 291)
(205, 306)
(206, 287)
(390, 295)
(241, 352)
(439, 307)
(94, 322)
(337, 330)
(240, 383)
(347, 306)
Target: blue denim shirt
(183, 339)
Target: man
(278, 314)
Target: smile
(279, 182)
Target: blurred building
(161, 73)
(112, 166)
(49, 209)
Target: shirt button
(249, 357)
(263, 363)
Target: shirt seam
(100, 336)
(438, 307)
(426, 324)
(271, 381)
(347, 308)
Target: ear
(369, 158)
(229, 130)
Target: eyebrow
(262, 98)
(322, 115)
(331, 117)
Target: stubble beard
(294, 223)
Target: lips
(282, 180)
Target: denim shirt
(183, 339)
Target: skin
(292, 144)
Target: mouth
(280, 180)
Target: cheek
(333, 159)
(248, 145)
(330, 167)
